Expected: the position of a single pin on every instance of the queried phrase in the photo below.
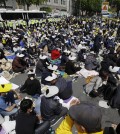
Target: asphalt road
(109, 115)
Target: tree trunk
(28, 7)
(4, 2)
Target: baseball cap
(87, 115)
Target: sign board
(105, 7)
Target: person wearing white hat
(51, 109)
(65, 87)
(48, 72)
(69, 67)
(16, 48)
(41, 65)
(64, 58)
(114, 69)
(31, 86)
(18, 64)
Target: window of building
(55, 1)
(48, 0)
(63, 2)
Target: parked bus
(21, 14)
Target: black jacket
(50, 108)
(31, 87)
(25, 123)
(70, 68)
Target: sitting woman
(32, 85)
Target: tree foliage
(115, 4)
(88, 6)
(3, 2)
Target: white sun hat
(71, 57)
(20, 55)
(52, 67)
(32, 71)
(25, 36)
(66, 51)
(92, 52)
(22, 49)
(42, 57)
(114, 69)
(50, 78)
(32, 44)
(51, 91)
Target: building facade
(61, 5)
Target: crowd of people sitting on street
(54, 54)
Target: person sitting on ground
(7, 100)
(85, 116)
(31, 86)
(65, 87)
(91, 62)
(48, 72)
(70, 68)
(27, 122)
(51, 109)
(41, 65)
(18, 64)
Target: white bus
(21, 14)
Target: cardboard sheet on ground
(86, 73)
(4, 81)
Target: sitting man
(41, 65)
(51, 109)
(65, 87)
(18, 64)
(48, 72)
(27, 122)
(7, 100)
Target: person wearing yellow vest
(33, 22)
(85, 117)
(11, 25)
(4, 41)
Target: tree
(87, 6)
(116, 4)
(3, 2)
(39, 2)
